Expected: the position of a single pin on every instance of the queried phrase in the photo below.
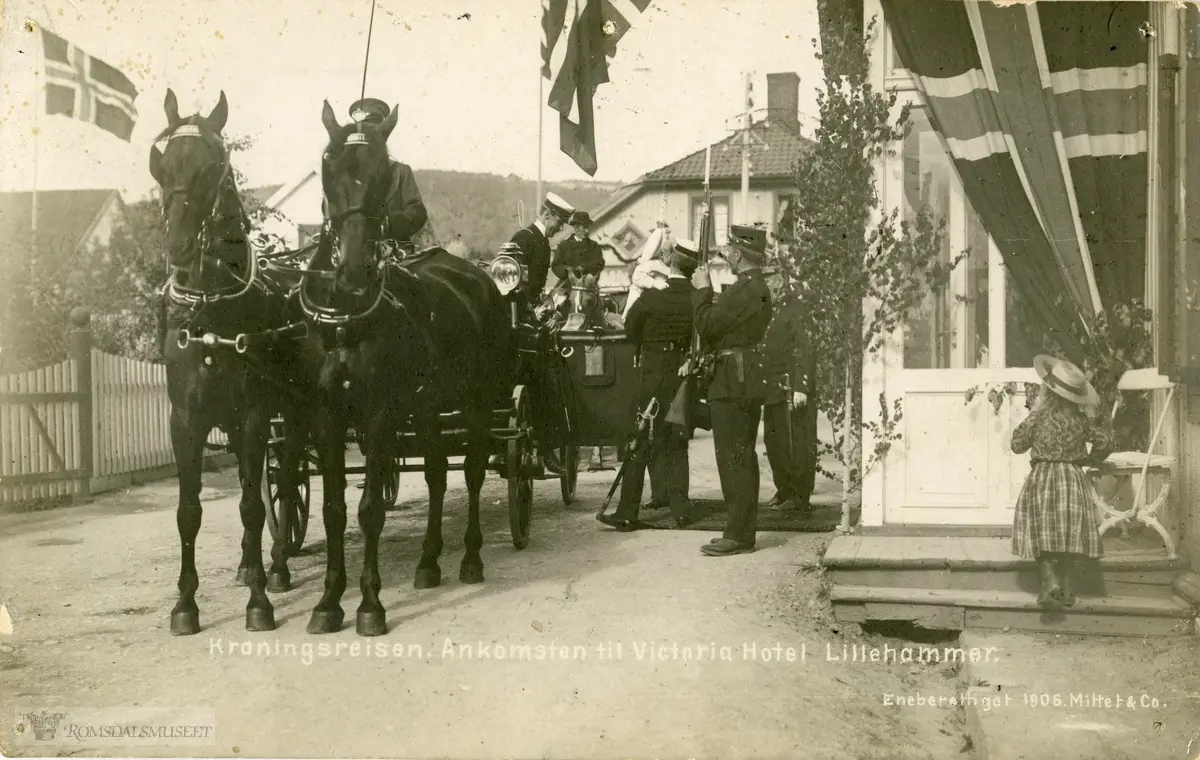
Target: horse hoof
(325, 621)
(428, 577)
(185, 623)
(260, 619)
(371, 623)
(241, 579)
(277, 583)
(470, 574)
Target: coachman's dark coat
(574, 253)
(406, 210)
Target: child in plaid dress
(1055, 520)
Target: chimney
(783, 99)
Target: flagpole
(541, 112)
(37, 107)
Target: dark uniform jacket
(660, 325)
(573, 252)
(406, 210)
(533, 243)
(737, 321)
(662, 316)
(786, 350)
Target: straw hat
(1065, 379)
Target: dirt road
(638, 645)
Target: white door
(953, 464)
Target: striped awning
(1044, 109)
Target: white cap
(688, 246)
(558, 205)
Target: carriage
(589, 375)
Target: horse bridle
(180, 294)
(330, 316)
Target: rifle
(645, 419)
(682, 411)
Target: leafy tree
(859, 271)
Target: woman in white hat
(1055, 520)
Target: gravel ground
(667, 654)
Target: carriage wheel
(391, 486)
(520, 481)
(298, 524)
(569, 456)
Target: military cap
(580, 219)
(558, 206)
(687, 247)
(370, 111)
(752, 239)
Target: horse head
(358, 181)
(192, 169)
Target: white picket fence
(43, 443)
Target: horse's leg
(475, 470)
(289, 452)
(429, 433)
(372, 618)
(256, 428)
(237, 447)
(331, 433)
(188, 444)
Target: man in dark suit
(789, 429)
(578, 255)
(732, 328)
(660, 325)
(534, 242)
(406, 211)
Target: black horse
(405, 341)
(223, 372)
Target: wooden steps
(955, 583)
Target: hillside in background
(482, 208)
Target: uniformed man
(732, 329)
(534, 241)
(406, 210)
(660, 326)
(791, 368)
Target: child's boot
(1051, 589)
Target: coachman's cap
(370, 111)
(558, 206)
(751, 238)
(580, 219)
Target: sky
(464, 74)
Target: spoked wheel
(298, 522)
(520, 480)
(391, 486)
(569, 456)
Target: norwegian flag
(81, 86)
(578, 38)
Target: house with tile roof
(68, 221)
(675, 193)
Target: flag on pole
(81, 86)
(578, 38)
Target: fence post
(81, 352)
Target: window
(784, 209)
(929, 333)
(975, 298)
(720, 212)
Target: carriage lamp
(506, 272)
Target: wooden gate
(45, 427)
